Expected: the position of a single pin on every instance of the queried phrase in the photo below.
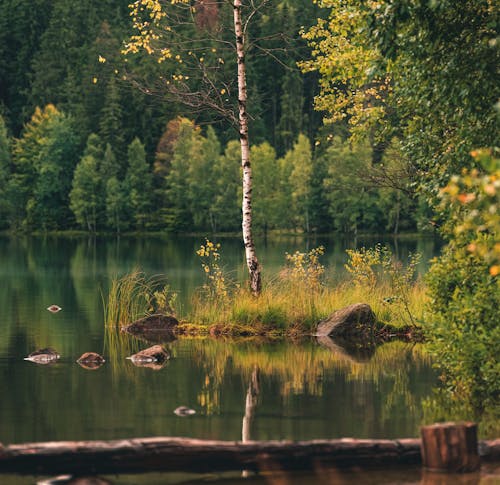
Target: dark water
(305, 390)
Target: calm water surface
(306, 390)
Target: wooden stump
(450, 447)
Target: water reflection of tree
(250, 404)
(384, 387)
(251, 399)
(301, 367)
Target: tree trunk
(200, 456)
(194, 455)
(450, 447)
(251, 257)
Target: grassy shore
(291, 304)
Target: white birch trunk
(251, 257)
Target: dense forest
(84, 145)
(372, 116)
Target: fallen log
(194, 455)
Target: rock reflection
(355, 353)
(90, 361)
(154, 357)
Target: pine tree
(138, 183)
(86, 194)
(202, 181)
(111, 122)
(266, 186)
(291, 103)
(44, 159)
(226, 208)
(116, 207)
(5, 169)
(300, 158)
(187, 146)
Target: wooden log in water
(194, 455)
(450, 447)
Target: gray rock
(43, 356)
(91, 360)
(184, 411)
(355, 321)
(155, 354)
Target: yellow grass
(290, 308)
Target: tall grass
(134, 295)
(293, 302)
(292, 308)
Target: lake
(306, 389)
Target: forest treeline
(82, 148)
(48, 183)
(90, 138)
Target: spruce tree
(5, 170)
(86, 194)
(110, 125)
(44, 159)
(138, 183)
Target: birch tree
(198, 53)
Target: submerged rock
(184, 411)
(355, 321)
(153, 355)
(43, 356)
(91, 360)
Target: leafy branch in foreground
(464, 286)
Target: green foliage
(464, 286)
(84, 194)
(423, 70)
(138, 183)
(354, 204)
(227, 208)
(44, 160)
(370, 267)
(116, 205)
(301, 162)
(202, 176)
(5, 169)
(265, 172)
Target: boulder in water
(184, 411)
(91, 360)
(152, 355)
(43, 356)
(151, 323)
(354, 322)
